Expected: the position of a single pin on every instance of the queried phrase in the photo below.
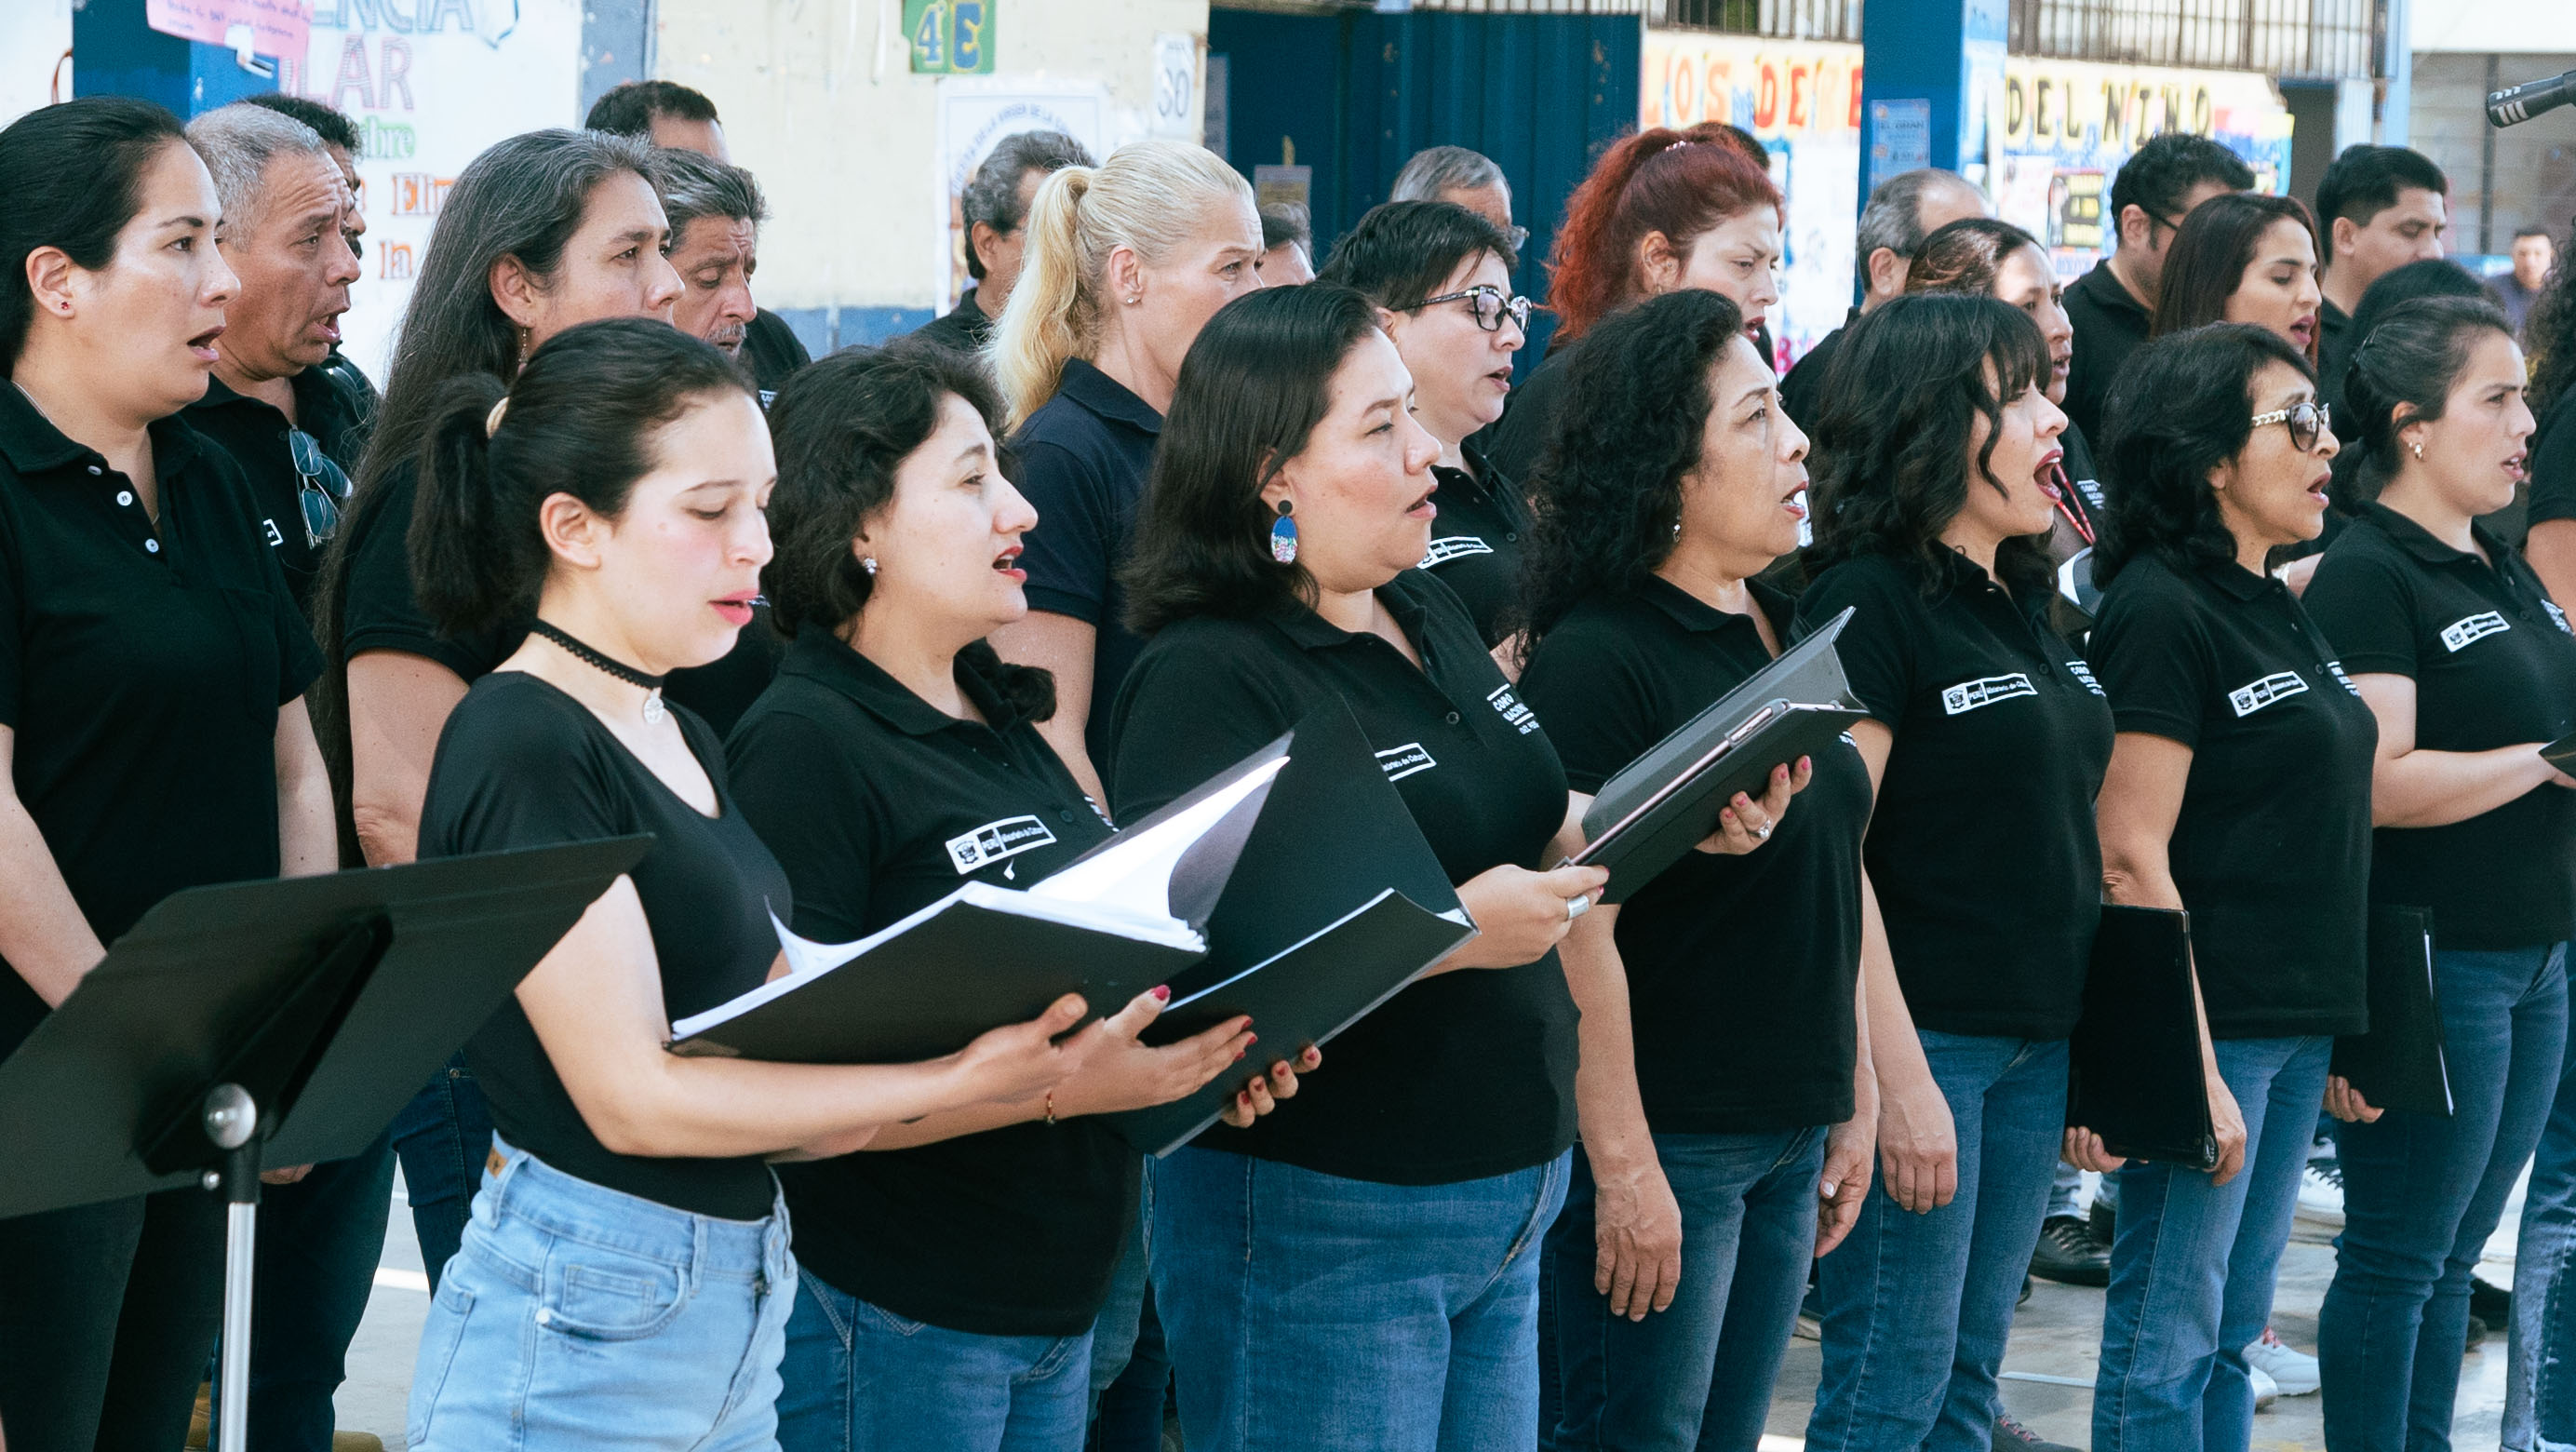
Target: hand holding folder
(2136, 1077)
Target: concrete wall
(2535, 162)
(819, 101)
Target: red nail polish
(1163, 994)
(1250, 1039)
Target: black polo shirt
(963, 329)
(2109, 326)
(773, 353)
(142, 666)
(865, 791)
(522, 764)
(1802, 388)
(335, 404)
(2493, 665)
(380, 611)
(1520, 435)
(1476, 541)
(1982, 849)
(1084, 458)
(2271, 851)
(2335, 343)
(1459, 1077)
(1740, 969)
(2551, 492)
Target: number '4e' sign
(950, 37)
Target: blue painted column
(1931, 70)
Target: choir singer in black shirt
(1359, 1270)
(953, 1271)
(1727, 1104)
(626, 1275)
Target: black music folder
(1336, 905)
(2398, 1063)
(2136, 1076)
(1666, 801)
(2561, 754)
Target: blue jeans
(2422, 1193)
(1699, 1373)
(442, 1137)
(319, 1241)
(2540, 1372)
(2193, 1263)
(860, 1378)
(1326, 1314)
(1918, 1307)
(1130, 1368)
(576, 1316)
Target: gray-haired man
(995, 206)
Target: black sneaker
(2069, 1255)
(2012, 1436)
(2491, 1304)
(2103, 1219)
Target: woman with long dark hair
(2244, 257)
(1728, 1108)
(2470, 668)
(2239, 791)
(1361, 1269)
(1986, 742)
(626, 1275)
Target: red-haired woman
(1662, 211)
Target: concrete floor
(2054, 1341)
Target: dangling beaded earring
(1283, 537)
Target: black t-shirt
(773, 353)
(142, 667)
(1461, 1076)
(865, 791)
(380, 611)
(1740, 969)
(2271, 851)
(335, 404)
(1476, 541)
(521, 764)
(1084, 458)
(1520, 436)
(2493, 665)
(1982, 849)
(964, 328)
(2109, 326)
(1802, 388)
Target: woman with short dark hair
(2238, 791)
(2468, 664)
(152, 725)
(1359, 1270)
(1986, 741)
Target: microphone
(2521, 103)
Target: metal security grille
(1777, 19)
(1528, 7)
(2290, 38)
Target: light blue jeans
(1918, 1307)
(862, 1379)
(1324, 1314)
(2540, 1371)
(575, 1316)
(2193, 1265)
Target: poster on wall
(974, 114)
(430, 84)
(2067, 126)
(1802, 99)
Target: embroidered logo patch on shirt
(2084, 677)
(1514, 710)
(1985, 691)
(1403, 761)
(1453, 547)
(994, 841)
(2255, 695)
(2557, 616)
(2335, 668)
(2457, 635)
(275, 539)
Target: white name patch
(1984, 691)
(1514, 710)
(2557, 616)
(1403, 761)
(994, 841)
(1453, 547)
(275, 539)
(2084, 677)
(2255, 695)
(2459, 633)
(2335, 667)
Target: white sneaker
(2321, 1194)
(2293, 1372)
(2265, 1389)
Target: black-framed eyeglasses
(325, 487)
(2307, 420)
(1488, 303)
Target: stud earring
(1133, 299)
(2418, 447)
(1283, 536)
(869, 564)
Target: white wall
(34, 35)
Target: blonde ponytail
(1149, 197)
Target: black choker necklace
(652, 684)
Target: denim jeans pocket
(439, 1341)
(888, 1319)
(600, 1295)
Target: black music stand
(283, 1023)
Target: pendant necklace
(653, 709)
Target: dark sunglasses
(325, 488)
(1489, 305)
(2306, 420)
